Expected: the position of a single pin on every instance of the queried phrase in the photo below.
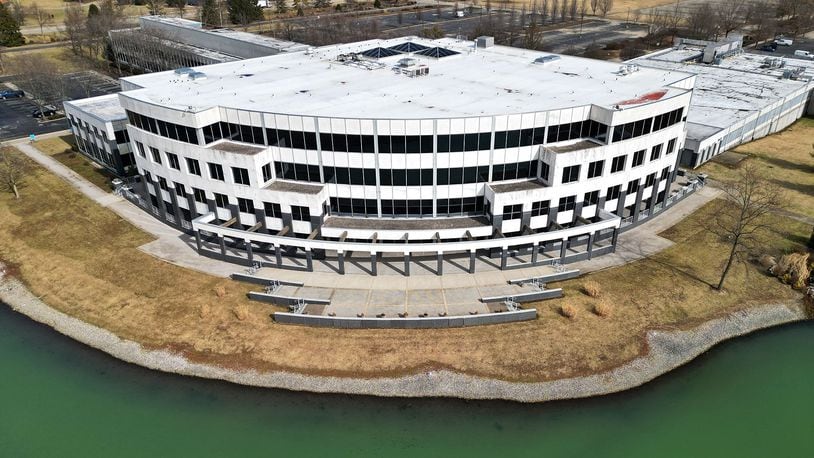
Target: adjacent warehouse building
(166, 43)
(407, 147)
(739, 97)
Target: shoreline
(667, 350)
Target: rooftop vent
(628, 69)
(407, 62)
(183, 71)
(197, 75)
(378, 53)
(546, 59)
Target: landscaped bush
(603, 308)
(793, 269)
(204, 310)
(568, 311)
(220, 291)
(241, 312)
(591, 288)
(767, 261)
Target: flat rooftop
(404, 224)
(517, 186)
(730, 91)
(473, 82)
(104, 107)
(293, 186)
(238, 148)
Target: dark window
(671, 146)
(618, 163)
(512, 211)
(162, 183)
(591, 198)
(240, 175)
(156, 155)
(266, 169)
(570, 174)
(665, 173)
(655, 153)
(221, 200)
(193, 166)
(180, 191)
(245, 205)
(613, 192)
(200, 195)
(215, 171)
(540, 208)
(172, 160)
(545, 169)
(567, 203)
(650, 180)
(163, 128)
(633, 187)
(140, 148)
(299, 213)
(638, 158)
(272, 210)
(595, 169)
(121, 136)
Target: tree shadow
(782, 163)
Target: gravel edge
(668, 350)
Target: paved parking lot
(805, 44)
(15, 114)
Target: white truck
(801, 53)
(784, 41)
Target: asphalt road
(16, 120)
(805, 44)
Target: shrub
(603, 308)
(793, 269)
(591, 288)
(220, 291)
(767, 262)
(241, 312)
(568, 311)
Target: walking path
(389, 287)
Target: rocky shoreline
(667, 351)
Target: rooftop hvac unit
(628, 69)
(197, 75)
(485, 41)
(407, 62)
(183, 71)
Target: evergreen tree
(9, 28)
(93, 10)
(281, 5)
(210, 13)
(244, 11)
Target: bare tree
(604, 7)
(594, 6)
(41, 16)
(544, 10)
(533, 38)
(17, 11)
(13, 169)
(154, 7)
(555, 8)
(730, 15)
(75, 28)
(763, 19)
(573, 9)
(750, 199)
(564, 10)
(701, 22)
(40, 77)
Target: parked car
(45, 112)
(801, 53)
(769, 48)
(784, 41)
(11, 94)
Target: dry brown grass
(241, 312)
(568, 311)
(591, 288)
(603, 309)
(64, 150)
(786, 159)
(793, 269)
(204, 310)
(83, 259)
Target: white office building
(408, 147)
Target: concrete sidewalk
(178, 248)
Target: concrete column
(535, 250)
(439, 260)
(600, 204)
(552, 213)
(373, 266)
(340, 259)
(309, 260)
(406, 264)
(176, 208)
(249, 254)
(193, 209)
(563, 248)
(591, 244)
(578, 210)
(222, 242)
(654, 196)
(503, 257)
(638, 203)
(620, 204)
(471, 261)
(159, 197)
(614, 238)
(198, 240)
(278, 254)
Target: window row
(406, 207)
(645, 126)
(165, 129)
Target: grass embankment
(83, 260)
(64, 150)
(787, 159)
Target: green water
(753, 397)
